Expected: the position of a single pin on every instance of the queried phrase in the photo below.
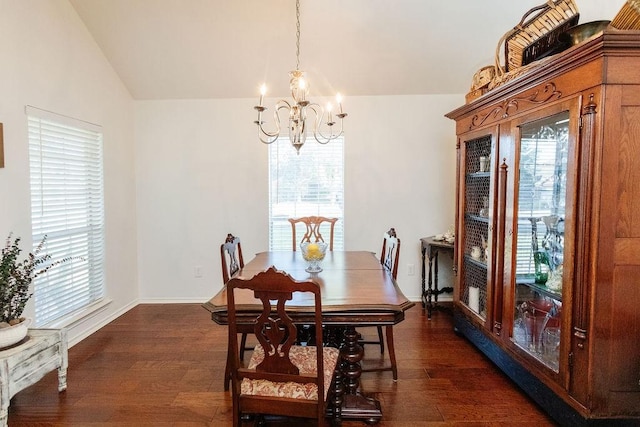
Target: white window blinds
(66, 177)
(542, 185)
(307, 184)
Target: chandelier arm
(272, 136)
(317, 130)
(320, 138)
(267, 141)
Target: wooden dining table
(356, 291)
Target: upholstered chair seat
(302, 357)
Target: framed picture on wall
(1, 147)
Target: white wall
(400, 172)
(595, 10)
(51, 62)
(201, 173)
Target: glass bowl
(313, 253)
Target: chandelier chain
(297, 34)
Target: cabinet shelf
(479, 175)
(542, 289)
(476, 262)
(473, 217)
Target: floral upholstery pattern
(302, 357)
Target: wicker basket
(629, 16)
(480, 82)
(483, 77)
(536, 37)
(475, 94)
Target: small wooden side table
(430, 250)
(25, 364)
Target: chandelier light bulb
(263, 91)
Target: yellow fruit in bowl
(313, 251)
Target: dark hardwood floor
(163, 365)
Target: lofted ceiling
(190, 49)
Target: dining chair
(389, 260)
(281, 378)
(313, 226)
(232, 262)
(231, 252)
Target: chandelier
(300, 109)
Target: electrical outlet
(197, 271)
(411, 269)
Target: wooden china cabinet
(548, 230)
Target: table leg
(432, 255)
(355, 405)
(434, 290)
(423, 295)
(435, 280)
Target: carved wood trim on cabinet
(511, 105)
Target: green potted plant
(16, 277)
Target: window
(542, 191)
(66, 177)
(305, 184)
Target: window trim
(66, 178)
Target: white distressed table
(25, 364)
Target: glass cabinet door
(539, 248)
(477, 193)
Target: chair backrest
(390, 252)
(231, 256)
(313, 225)
(275, 331)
